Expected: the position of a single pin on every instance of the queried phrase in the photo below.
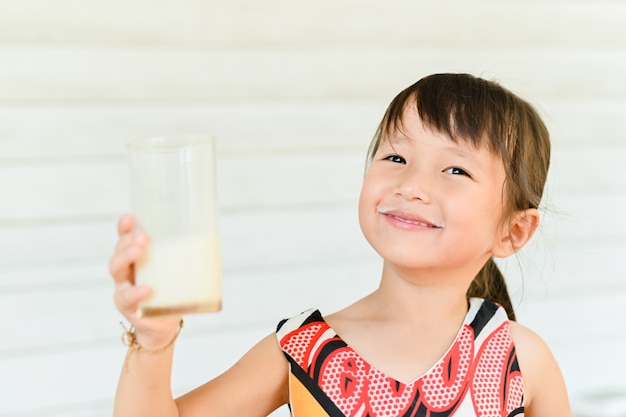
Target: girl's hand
(152, 332)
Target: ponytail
(490, 285)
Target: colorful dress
(478, 376)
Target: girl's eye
(457, 171)
(395, 158)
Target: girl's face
(433, 205)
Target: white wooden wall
(293, 90)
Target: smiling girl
(455, 175)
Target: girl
(454, 178)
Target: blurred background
(293, 91)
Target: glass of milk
(173, 190)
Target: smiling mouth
(408, 218)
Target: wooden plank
(194, 23)
(75, 74)
(544, 266)
(56, 242)
(574, 337)
(34, 277)
(585, 311)
(590, 166)
(572, 216)
(103, 130)
(592, 367)
(85, 188)
(97, 130)
(584, 122)
(79, 190)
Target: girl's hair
(483, 113)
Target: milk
(184, 274)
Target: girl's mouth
(408, 217)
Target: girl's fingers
(131, 241)
(124, 243)
(125, 225)
(128, 296)
(122, 261)
(129, 248)
(153, 331)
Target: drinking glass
(173, 193)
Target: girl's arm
(544, 388)
(254, 386)
(144, 386)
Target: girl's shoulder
(544, 386)
(524, 336)
(530, 348)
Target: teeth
(409, 221)
(413, 222)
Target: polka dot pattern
(343, 379)
(474, 374)
(490, 375)
(300, 342)
(444, 385)
(515, 396)
(354, 385)
(387, 397)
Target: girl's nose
(414, 185)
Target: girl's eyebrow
(465, 153)
(461, 151)
(459, 148)
(398, 138)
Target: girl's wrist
(141, 342)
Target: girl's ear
(520, 229)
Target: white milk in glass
(184, 273)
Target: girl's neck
(436, 299)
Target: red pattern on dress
(359, 389)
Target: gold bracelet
(129, 338)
